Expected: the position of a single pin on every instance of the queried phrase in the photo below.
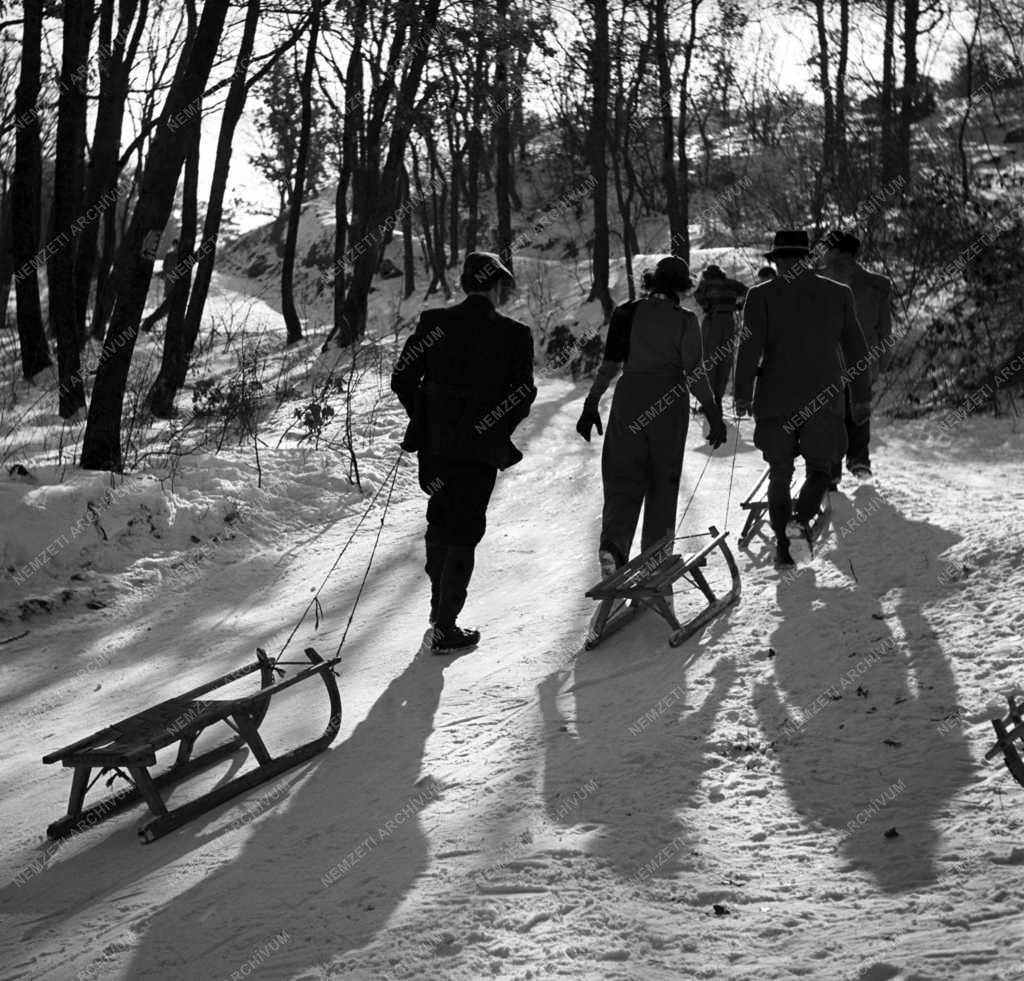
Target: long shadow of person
(623, 756)
(322, 870)
(860, 682)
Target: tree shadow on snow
(861, 690)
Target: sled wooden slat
(756, 506)
(131, 745)
(646, 582)
(1010, 739)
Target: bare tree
(101, 446)
(25, 195)
(291, 316)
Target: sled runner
(1010, 739)
(646, 580)
(756, 506)
(131, 745)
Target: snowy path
(531, 811)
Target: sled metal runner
(129, 747)
(645, 582)
(756, 506)
(1010, 739)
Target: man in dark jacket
(802, 345)
(465, 377)
(719, 297)
(872, 299)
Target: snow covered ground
(529, 810)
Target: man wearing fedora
(802, 345)
(465, 377)
(656, 344)
(872, 301)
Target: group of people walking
(812, 342)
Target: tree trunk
(842, 61)
(6, 261)
(115, 62)
(503, 138)
(828, 137)
(291, 316)
(408, 253)
(474, 151)
(174, 371)
(911, 15)
(69, 169)
(682, 247)
(889, 154)
(379, 191)
(453, 211)
(176, 347)
(600, 68)
(26, 197)
(668, 143)
(101, 447)
(352, 132)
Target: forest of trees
(427, 116)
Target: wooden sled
(644, 582)
(1010, 739)
(129, 749)
(756, 506)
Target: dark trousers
(719, 338)
(820, 440)
(858, 436)
(641, 462)
(459, 491)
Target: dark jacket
(719, 295)
(802, 343)
(872, 300)
(465, 377)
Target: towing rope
(693, 494)
(315, 601)
(373, 552)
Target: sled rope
(315, 601)
(373, 552)
(693, 494)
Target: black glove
(717, 433)
(589, 418)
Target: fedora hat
(789, 242)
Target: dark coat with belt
(802, 344)
(465, 377)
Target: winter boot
(861, 471)
(453, 640)
(783, 557)
(799, 533)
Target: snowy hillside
(797, 791)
